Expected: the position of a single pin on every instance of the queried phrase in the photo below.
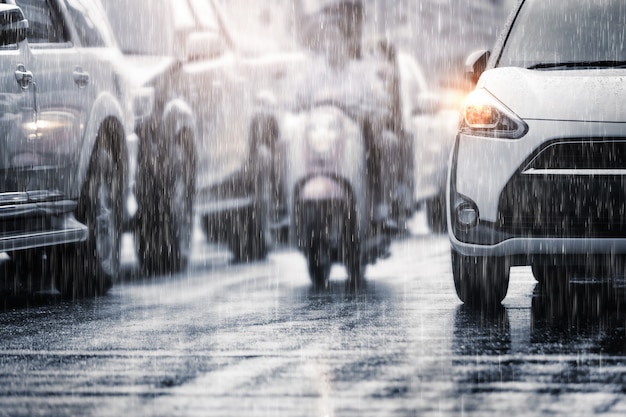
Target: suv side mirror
(475, 65)
(203, 45)
(13, 25)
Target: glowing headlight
(484, 115)
(323, 131)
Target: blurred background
(439, 33)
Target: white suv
(538, 171)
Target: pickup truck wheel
(163, 235)
(88, 268)
(480, 282)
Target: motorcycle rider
(334, 32)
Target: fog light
(467, 216)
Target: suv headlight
(323, 131)
(484, 115)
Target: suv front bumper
(558, 191)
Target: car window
(574, 31)
(5, 20)
(44, 22)
(90, 23)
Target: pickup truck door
(17, 112)
(61, 98)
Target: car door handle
(23, 77)
(81, 77)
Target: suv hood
(596, 95)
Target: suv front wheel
(480, 281)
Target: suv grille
(588, 155)
(569, 189)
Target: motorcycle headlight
(323, 131)
(484, 115)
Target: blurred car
(63, 151)
(432, 118)
(201, 148)
(538, 172)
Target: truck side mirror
(475, 65)
(13, 25)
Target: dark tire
(480, 282)
(436, 214)
(165, 223)
(247, 241)
(28, 270)
(250, 237)
(356, 272)
(549, 275)
(351, 253)
(319, 263)
(88, 268)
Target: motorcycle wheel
(319, 263)
(356, 270)
(352, 254)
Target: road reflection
(583, 315)
(479, 333)
(481, 345)
(573, 342)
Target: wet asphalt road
(256, 340)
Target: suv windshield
(568, 34)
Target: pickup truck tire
(88, 268)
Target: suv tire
(480, 282)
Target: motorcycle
(325, 160)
